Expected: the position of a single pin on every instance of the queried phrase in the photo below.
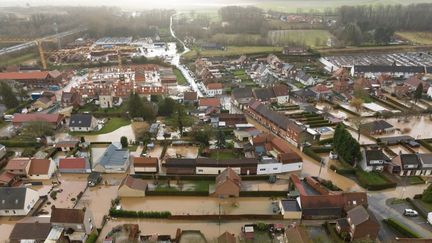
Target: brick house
(359, 224)
(227, 184)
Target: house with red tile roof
(8, 179)
(132, 187)
(145, 165)
(34, 79)
(41, 169)
(74, 165)
(18, 166)
(55, 120)
(228, 184)
(321, 91)
(209, 102)
(214, 89)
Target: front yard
(111, 125)
(222, 155)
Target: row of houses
(241, 97)
(288, 129)
(35, 79)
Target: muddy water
(113, 136)
(420, 128)
(210, 229)
(184, 151)
(199, 205)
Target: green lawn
(234, 51)
(112, 125)
(427, 206)
(371, 177)
(181, 80)
(200, 185)
(414, 180)
(223, 155)
(313, 38)
(424, 38)
(18, 60)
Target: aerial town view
(216, 121)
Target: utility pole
(321, 164)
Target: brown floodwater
(184, 151)
(113, 136)
(419, 127)
(199, 205)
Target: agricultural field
(294, 6)
(424, 38)
(313, 38)
(234, 51)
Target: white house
(17, 201)
(82, 123)
(373, 160)
(305, 78)
(271, 166)
(106, 101)
(41, 169)
(214, 89)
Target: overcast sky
(138, 4)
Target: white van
(429, 218)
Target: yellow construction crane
(38, 42)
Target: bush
(322, 149)
(343, 171)
(405, 231)
(373, 181)
(92, 238)
(53, 195)
(326, 141)
(139, 214)
(178, 193)
(260, 226)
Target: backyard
(222, 155)
(111, 125)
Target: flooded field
(200, 205)
(113, 136)
(210, 229)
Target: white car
(333, 155)
(410, 212)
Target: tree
(418, 92)
(8, 96)
(166, 107)
(356, 103)
(382, 35)
(124, 142)
(202, 135)
(135, 106)
(220, 140)
(180, 119)
(352, 34)
(346, 146)
(82, 139)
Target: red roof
(50, 118)
(214, 86)
(39, 166)
(17, 164)
(72, 163)
(24, 75)
(214, 102)
(320, 88)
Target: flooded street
(113, 136)
(200, 205)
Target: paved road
(176, 62)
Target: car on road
(410, 212)
(333, 155)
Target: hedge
(322, 149)
(326, 141)
(397, 226)
(308, 151)
(263, 194)
(343, 171)
(178, 193)
(139, 214)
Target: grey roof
(388, 69)
(30, 231)
(12, 197)
(426, 158)
(80, 120)
(358, 215)
(240, 93)
(114, 156)
(264, 94)
(174, 162)
(375, 154)
(377, 125)
(409, 159)
(290, 205)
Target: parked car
(429, 218)
(333, 155)
(410, 212)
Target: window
(262, 169)
(275, 168)
(200, 170)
